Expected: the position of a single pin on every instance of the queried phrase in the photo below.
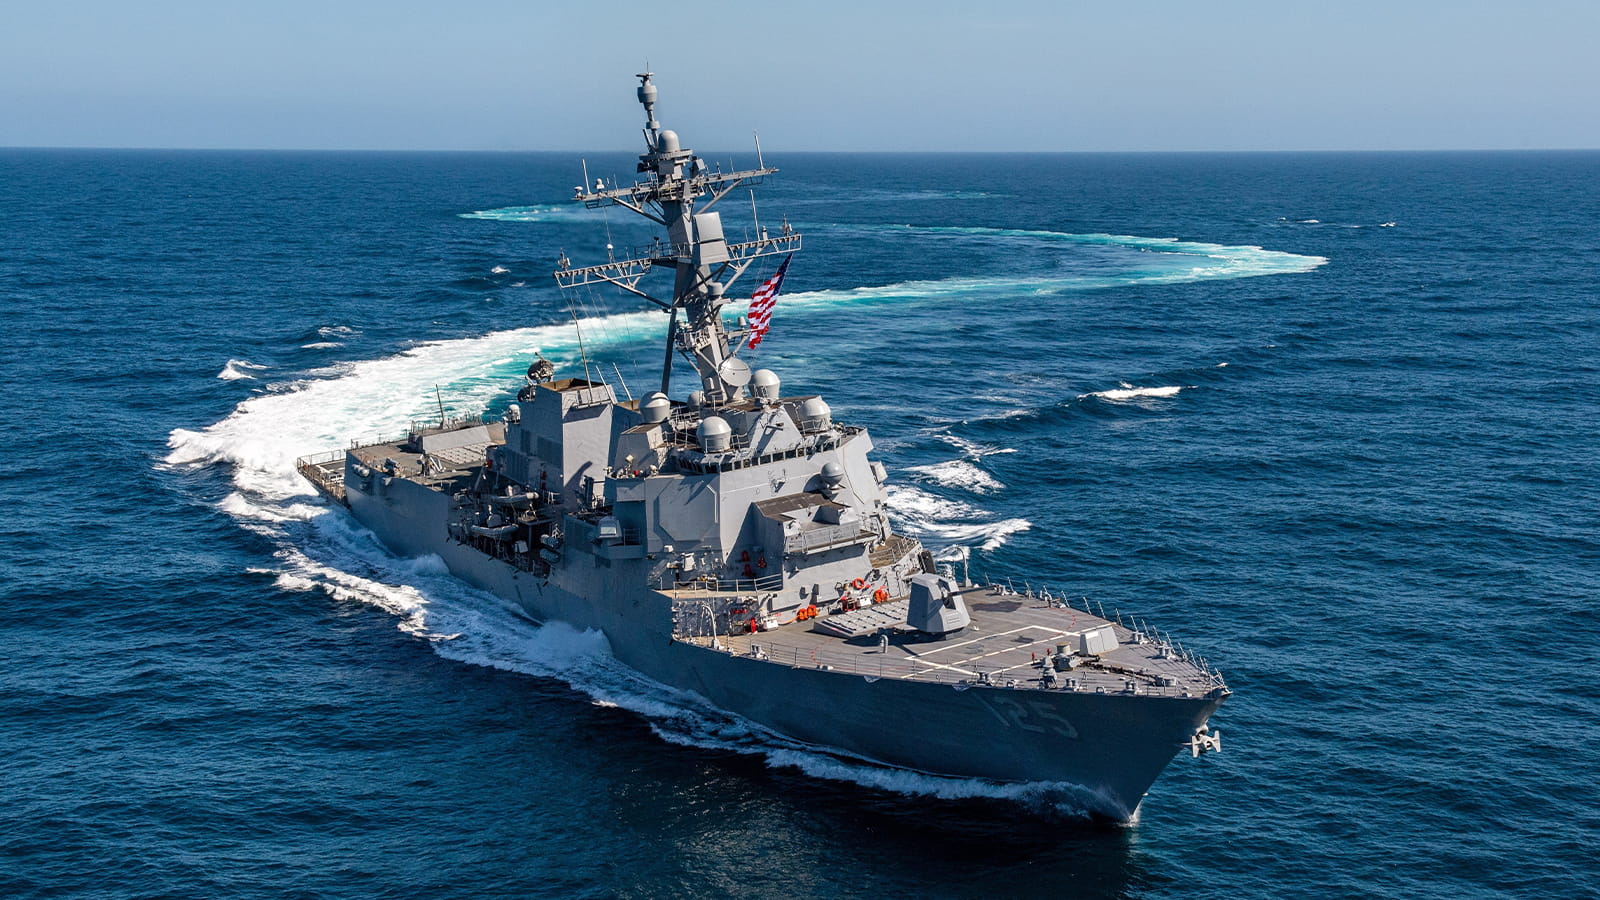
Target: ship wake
(317, 548)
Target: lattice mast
(704, 264)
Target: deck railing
(873, 666)
(771, 582)
(325, 477)
(826, 537)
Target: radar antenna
(679, 192)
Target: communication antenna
(759, 163)
(582, 353)
(439, 397)
(622, 381)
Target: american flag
(762, 302)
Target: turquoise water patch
(541, 212)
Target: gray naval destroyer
(734, 543)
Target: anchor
(1204, 740)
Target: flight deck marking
(953, 667)
(933, 665)
(984, 637)
(1054, 635)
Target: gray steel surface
(734, 543)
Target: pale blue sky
(822, 75)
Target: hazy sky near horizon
(819, 75)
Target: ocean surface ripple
(1327, 418)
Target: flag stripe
(763, 301)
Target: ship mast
(704, 264)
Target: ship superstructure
(735, 543)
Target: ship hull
(1107, 748)
(736, 544)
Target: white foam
(259, 441)
(541, 213)
(958, 473)
(1171, 261)
(321, 345)
(940, 522)
(238, 369)
(318, 550)
(1059, 798)
(1129, 392)
(1003, 415)
(370, 399)
(287, 582)
(963, 473)
(915, 503)
(480, 629)
(241, 507)
(972, 449)
(499, 270)
(995, 536)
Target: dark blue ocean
(1328, 419)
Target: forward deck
(1009, 643)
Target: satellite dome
(832, 473)
(764, 384)
(734, 372)
(715, 434)
(815, 415)
(655, 408)
(668, 142)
